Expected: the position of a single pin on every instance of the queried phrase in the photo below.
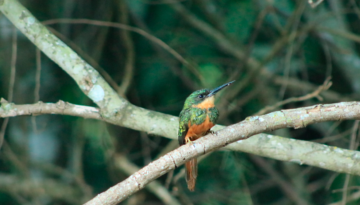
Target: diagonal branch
(316, 3)
(275, 147)
(87, 78)
(332, 158)
(116, 110)
(155, 187)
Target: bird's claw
(189, 142)
(212, 132)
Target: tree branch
(116, 110)
(328, 157)
(61, 108)
(166, 125)
(155, 187)
(275, 147)
(315, 94)
(87, 78)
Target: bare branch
(327, 157)
(61, 108)
(150, 37)
(88, 79)
(155, 187)
(130, 50)
(316, 94)
(116, 110)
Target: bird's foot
(188, 141)
(211, 132)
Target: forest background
(281, 53)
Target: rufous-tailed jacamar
(197, 117)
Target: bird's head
(203, 98)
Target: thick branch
(87, 78)
(118, 111)
(292, 150)
(332, 158)
(113, 108)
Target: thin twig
(332, 138)
(13, 65)
(351, 147)
(14, 160)
(37, 86)
(345, 190)
(89, 59)
(152, 38)
(251, 42)
(316, 3)
(188, 81)
(155, 187)
(67, 175)
(315, 94)
(353, 135)
(349, 188)
(285, 186)
(37, 76)
(293, 25)
(130, 50)
(354, 196)
(146, 149)
(356, 9)
(11, 82)
(295, 84)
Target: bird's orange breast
(206, 104)
(196, 131)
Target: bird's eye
(201, 96)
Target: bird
(197, 117)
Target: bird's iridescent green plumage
(194, 115)
(197, 117)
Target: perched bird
(197, 117)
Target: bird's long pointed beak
(215, 90)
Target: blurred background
(155, 53)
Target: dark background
(273, 49)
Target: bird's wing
(184, 119)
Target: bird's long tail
(191, 173)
